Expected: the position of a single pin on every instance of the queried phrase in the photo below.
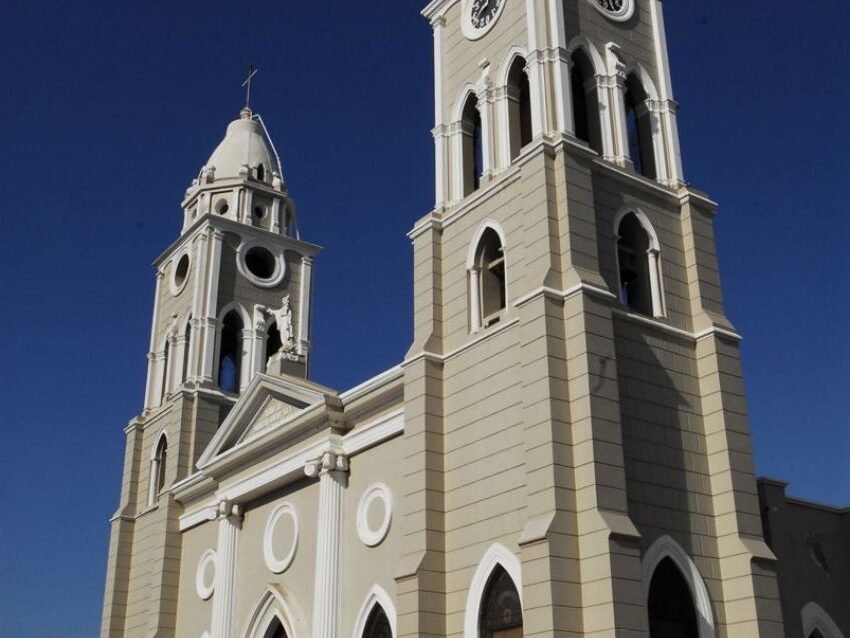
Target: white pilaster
(150, 386)
(457, 167)
(246, 370)
(655, 283)
(654, 111)
(332, 470)
(305, 306)
(197, 307)
(440, 143)
(536, 73)
(259, 350)
(485, 110)
(560, 64)
(210, 320)
(224, 599)
(607, 114)
(669, 107)
(501, 106)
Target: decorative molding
(275, 564)
(376, 596)
(279, 260)
(205, 587)
(276, 603)
(376, 492)
(369, 435)
(815, 618)
(496, 555)
(666, 547)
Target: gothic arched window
(275, 630)
(672, 613)
(638, 259)
(585, 100)
(519, 108)
(377, 625)
(473, 146)
(163, 389)
(273, 342)
(157, 471)
(487, 282)
(187, 342)
(230, 353)
(639, 128)
(501, 609)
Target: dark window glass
(671, 609)
(377, 625)
(501, 611)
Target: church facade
(564, 449)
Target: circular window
(205, 575)
(221, 207)
(260, 262)
(280, 540)
(374, 514)
(260, 265)
(259, 212)
(179, 274)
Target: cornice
(437, 8)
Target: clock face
(620, 10)
(483, 12)
(479, 16)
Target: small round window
(260, 262)
(259, 212)
(263, 267)
(179, 274)
(221, 207)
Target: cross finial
(252, 71)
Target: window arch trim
(496, 556)
(815, 618)
(666, 547)
(376, 596)
(156, 469)
(654, 259)
(476, 240)
(584, 44)
(247, 328)
(276, 603)
(475, 299)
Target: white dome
(245, 143)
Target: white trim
(666, 547)
(503, 123)
(279, 261)
(370, 384)
(279, 565)
(203, 588)
(496, 555)
(476, 239)
(155, 468)
(276, 603)
(376, 492)
(367, 436)
(376, 596)
(815, 618)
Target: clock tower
(572, 357)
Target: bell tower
(571, 341)
(233, 301)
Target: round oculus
(619, 10)
(479, 16)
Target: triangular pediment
(268, 403)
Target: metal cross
(252, 71)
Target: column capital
(328, 462)
(228, 510)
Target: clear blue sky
(110, 109)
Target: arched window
(501, 609)
(159, 462)
(519, 107)
(487, 285)
(377, 625)
(473, 146)
(585, 100)
(672, 613)
(261, 172)
(638, 259)
(230, 353)
(163, 389)
(187, 343)
(639, 128)
(275, 630)
(273, 342)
